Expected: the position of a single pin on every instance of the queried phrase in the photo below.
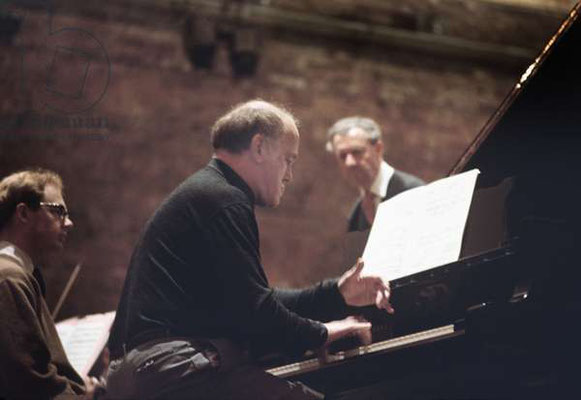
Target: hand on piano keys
(295, 370)
(360, 290)
(95, 387)
(350, 326)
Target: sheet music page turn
(420, 228)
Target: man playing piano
(196, 304)
(357, 146)
(34, 223)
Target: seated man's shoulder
(200, 197)
(208, 186)
(10, 270)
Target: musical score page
(419, 229)
(84, 338)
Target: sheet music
(84, 338)
(420, 228)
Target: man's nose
(350, 160)
(68, 222)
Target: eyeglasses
(57, 209)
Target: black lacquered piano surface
(509, 310)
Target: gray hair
(234, 131)
(344, 125)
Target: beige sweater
(33, 364)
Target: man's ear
(22, 213)
(379, 148)
(257, 147)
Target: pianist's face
(277, 158)
(358, 159)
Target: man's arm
(27, 369)
(322, 302)
(248, 306)
(254, 311)
(336, 298)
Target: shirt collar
(232, 177)
(379, 186)
(10, 250)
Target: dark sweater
(196, 272)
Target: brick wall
(149, 131)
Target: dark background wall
(140, 126)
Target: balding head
(234, 131)
(260, 142)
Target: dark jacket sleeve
(322, 302)
(27, 369)
(250, 308)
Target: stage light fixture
(9, 27)
(244, 52)
(200, 41)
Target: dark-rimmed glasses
(57, 209)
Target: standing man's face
(277, 170)
(51, 223)
(358, 159)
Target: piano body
(503, 321)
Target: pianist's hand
(350, 326)
(362, 291)
(91, 384)
(94, 387)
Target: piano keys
(301, 367)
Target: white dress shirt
(381, 182)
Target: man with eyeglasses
(34, 224)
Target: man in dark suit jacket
(358, 148)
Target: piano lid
(536, 128)
(534, 137)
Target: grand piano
(503, 322)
